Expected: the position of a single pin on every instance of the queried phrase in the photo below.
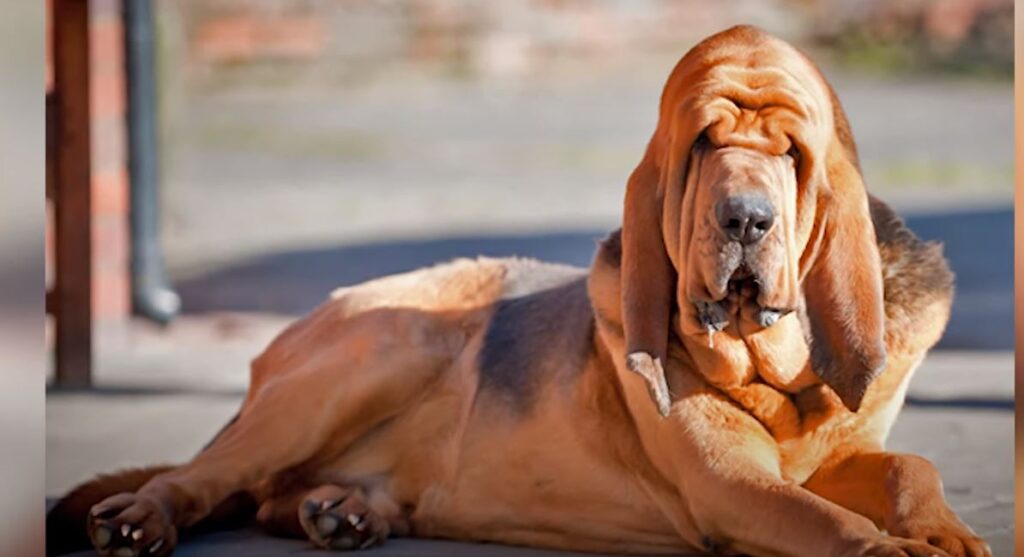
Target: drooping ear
(648, 279)
(843, 287)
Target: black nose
(745, 219)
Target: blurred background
(307, 144)
(22, 348)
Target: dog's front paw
(339, 518)
(126, 525)
(945, 531)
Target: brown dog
(772, 311)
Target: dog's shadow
(978, 243)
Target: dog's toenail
(369, 541)
(125, 530)
(137, 534)
(310, 507)
(102, 536)
(324, 505)
(156, 546)
(326, 524)
(352, 519)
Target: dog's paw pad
(341, 520)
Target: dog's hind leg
(371, 368)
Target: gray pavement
(252, 543)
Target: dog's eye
(702, 140)
(794, 153)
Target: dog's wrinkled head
(749, 205)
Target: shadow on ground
(978, 244)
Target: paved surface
(251, 543)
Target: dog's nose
(745, 219)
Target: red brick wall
(111, 294)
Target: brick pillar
(111, 236)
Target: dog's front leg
(726, 467)
(901, 493)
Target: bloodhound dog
(721, 380)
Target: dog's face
(748, 205)
(739, 237)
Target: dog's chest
(736, 357)
(767, 373)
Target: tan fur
(510, 401)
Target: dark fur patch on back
(533, 338)
(915, 273)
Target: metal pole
(152, 296)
